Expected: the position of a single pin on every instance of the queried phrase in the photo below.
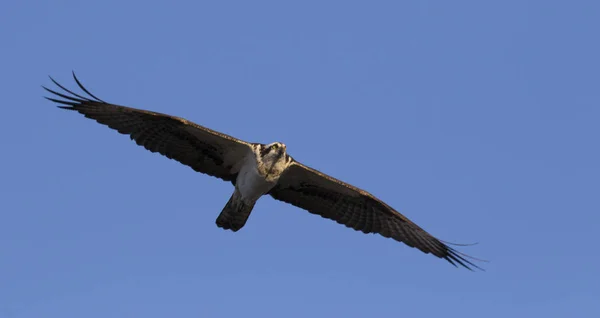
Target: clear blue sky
(479, 120)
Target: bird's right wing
(204, 150)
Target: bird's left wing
(204, 150)
(333, 199)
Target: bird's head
(273, 156)
(272, 159)
(273, 152)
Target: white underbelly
(251, 184)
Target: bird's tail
(235, 213)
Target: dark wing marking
(333, 199)
(198, 147)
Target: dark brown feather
(198, 147)
(333, 199)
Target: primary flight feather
(255, 170)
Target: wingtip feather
(68, 97)
(453, 257)
(84, 89)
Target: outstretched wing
(333, 199)
(198, 147)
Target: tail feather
(235, 213)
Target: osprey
(255, 170)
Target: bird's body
(250, 182)
(259, 172)
(256, 170)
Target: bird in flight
(256, 170)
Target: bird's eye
(275, 146)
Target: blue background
(479, 120)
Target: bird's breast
(250, 183)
